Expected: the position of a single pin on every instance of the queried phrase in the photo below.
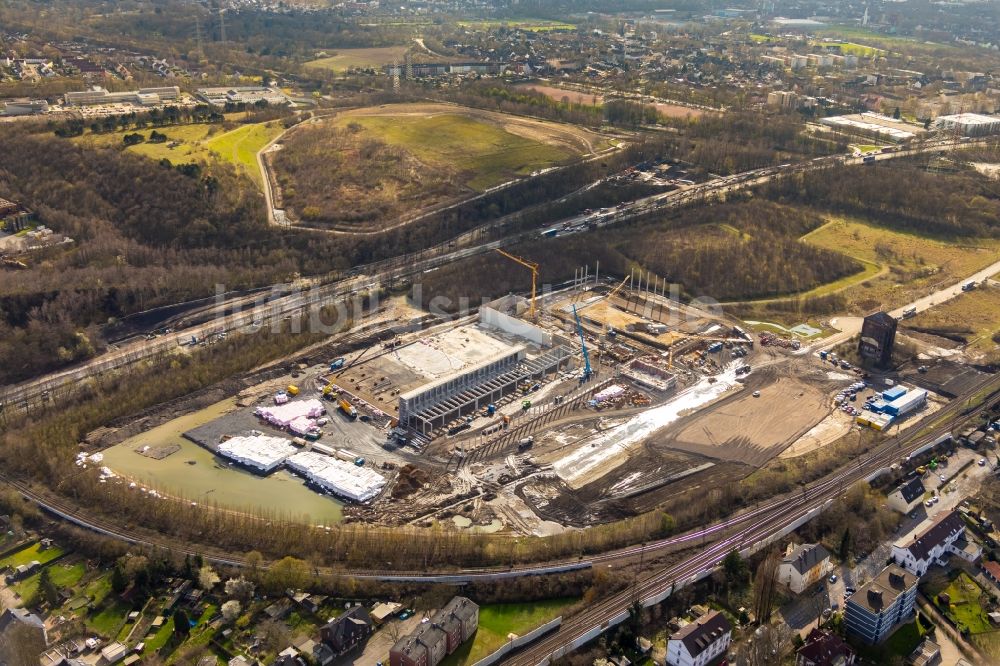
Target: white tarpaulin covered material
(612, 391)
(259, 451)
(283, 415)
(356, 483)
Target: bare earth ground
(576, 97)
(752, 430)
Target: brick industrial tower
(878, 334)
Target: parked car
(833, 579)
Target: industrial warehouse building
(873, 126)
(141, 97)
(243, 95)
(969, 124)
(25, 107)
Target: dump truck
(348, 409)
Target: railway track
(741, 530)
(770, 522)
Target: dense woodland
(902, 195)
(137, 227)
(148, 235)
(727, 252)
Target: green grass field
(62, 575)
(240, 147)
(29, 554)
(108, 620)
(485, 154)
(199, 143)
(160, 638)
(850, 48)
(497, 621)
(977, 310)
(967, 605)
(190, 137)
(346, 59)
(899, 266)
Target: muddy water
(197, 474)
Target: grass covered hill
(367, 168)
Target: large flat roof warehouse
(874, 124)
(969, 124)
(356, 483)
(260, 452)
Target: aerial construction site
(535, 414)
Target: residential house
(908, 496)
(874, 611)
(700, 642)
(991, 570)
(824, 648)
(942, 537)
(342, 634)
(804, 565)
(22, 638)
(433, 640)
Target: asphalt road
(311, 293)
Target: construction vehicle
(347, 408)
(292, 390)
(525, 404)
(337, 363)
(533, 267)
(525, 443)
(329, 391)
(587, 371)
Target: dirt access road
(851, 326)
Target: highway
(310, 293)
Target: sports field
(345, 59)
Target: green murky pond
(197, 474)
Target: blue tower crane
(587, 371)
